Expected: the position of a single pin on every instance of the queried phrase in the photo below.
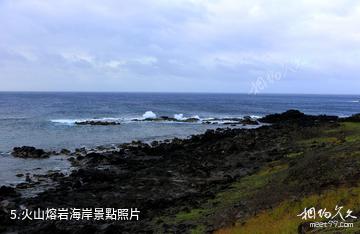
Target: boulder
(167, 118)
(191, 120)
(295, 116)
(247, 120)
(65, 151)
(97, 122)
(6, 191)
(29, 152)
(289, 115)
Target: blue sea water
(45, 119)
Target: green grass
(239, 191)
(320, 140)
(295, 155)
(353, 138)
(198, 230)
(345, 127)
(346, 132)
(247, 186)
(333, 161)
(193, 214)
(310, 167)
(348, 128)
(242, 189)
(284, 219)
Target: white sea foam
(355, 101)
(195, 117)
(108, 119)
(152, 115)
(179, 117)
(73, 121)
(149, 115)
(255, 116)
(65, 121)
(217, 118)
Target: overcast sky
(278, 46)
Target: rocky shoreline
(178, 118)
(165, 179)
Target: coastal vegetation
(228, 180)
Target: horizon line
(178, 92)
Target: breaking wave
(74, 121)
(151, 116)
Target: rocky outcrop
(162, 179)
(29, 152)
(295, 116)
(169, 119)
(155, 177)
(290, 115)
(247, 120)
(97, 122)
(353, 118)
(6, 191)
(65, 152)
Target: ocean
(47, 120)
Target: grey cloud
(189, 45)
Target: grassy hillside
(320, 167)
